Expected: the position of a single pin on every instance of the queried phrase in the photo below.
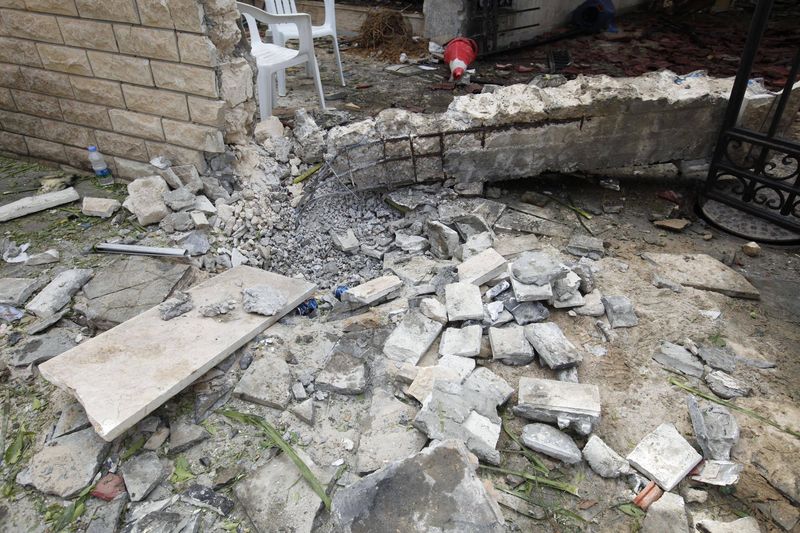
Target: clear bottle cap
(93, 148)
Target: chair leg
(272, 87)
(338, 58)
(312, 66)
(264, 89)
(281, 41)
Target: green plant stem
(538, 464)
(307, 174)
(559, 485)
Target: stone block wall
(137, 78)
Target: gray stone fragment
(474, 245)
(40, 348)
(463, 342)
(142, 474)
(433, 309)
(550, 441)
(489, 385)
(344, 374)
(217, 308)
(44, 258)
(719, 473)
(145, 199)
(299, 392)
(664, 456)
(482, 267)
(470, 225)
(58, 292)
(309, 137)
(104, 516)
(575, 405)
(157, 439)
(42, 324)
(538, 268)
(373, 290)
(441, 480)
(586, 246)
(180, 304)
(569, 375)
(304, 411)
(195, 243)
(173, 222)
(510, 346)
(179, 199)
(183, 435)
(386, 435)
(679, 359)
(585, 270)
(66, 465)
(748, 524)
(345, 241)
(526, 312)
(263, 300)
(566, 292)
(553, 348)
(620, 312)
(664, 283)
(16, 291)
(667, 514)
(718, 358)
(73, 418)
(496, 290)
(411, 338)
(603, 460)
(411, 243)
(715, 429)
(205, 498)
(267, 382)
(443, 240)
(524, 292)
(463, 301)
(448, 368)
(726, 386)
(592, 305)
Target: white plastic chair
(285, 32)
(272, 59)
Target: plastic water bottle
(99, 166)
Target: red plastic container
(458, 54)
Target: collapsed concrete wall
(586, 124)
(137, 78)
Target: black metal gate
(758, 170)
(498, 25)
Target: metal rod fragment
(134, 249)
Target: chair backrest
(248, 11)
(280, 7)
(330, 14)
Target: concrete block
(65, 133)
(156, 102)
(87, 33)
(116, 10)
(146, 201)
(37, 104)
(603, 460)
(20, 123)
(146, 42)
(64, 59)
(575, 405)
(620, 311)
(46, 149)
(373, 290)
(103, 92)
(462, 342)
(205, 111)
(411, 338)
(510, 346)
(19, 51)
(664, 456)
(34, 26)
(550, 441)
(481, 268)
(197, 50)
(85, 114)
(553, 348)
(54, 83)
(204, 138)
(463, 302)
(137, 124)
(99, 207)
(121, 68)
(121, 145)
(185, 78)
(56, 7)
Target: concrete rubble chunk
(58, 292)
(73, 418)
(67, 465)
(512, 245)
(36, 203)
(463, 342)
(526, 312)
(679, 359)
(175, 222)
(620, 312)
(309, 137)
(719, 473)
(550, 441)
(726, 386)
(145, 199)
(717, 358)
(142, 474)
(267, 381)
(411, 338)
(443, 240)
(40, 348)
(180, 304)
(715, 429)
(276, 497)
(157, 439)
(660, 282)
(345, 241)
(516, 222)
(510, 346)
(183, 435)
(570, 375)
(664, 456)
(16, 291)
(486, 383)
(481, 268)
(386, 435)
(414, 244)
(373, 290)
(524, 292)
(592, 305)
(552, 347)
(263, 300)
(566, 292)
(748, 524)
(668, 513)
(304, 411)
(204, 205)
(538, 268)
(45, 258)
(205, 498)
(343, 374)
(99, 207)
(451, 368)
(433, 309)
(188, 177)
(179, 199)
(573, 405)
(603, 460)
(586, 246)
(441, 479)
(496, 290)
(474, 245)
(104, 516)
(470, 225)
(702, 272)
(463, 301)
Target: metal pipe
(134, 249)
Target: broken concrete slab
(566, 292)
(510, 246)
(463, 302)
(702, 272)
(440, 479)
(463, 342)
(509, 345)
(373, 290)
(488, 210)
(345, 241)
(586, 246)
(664, 456)
(620, 312)
(387, 435)
(149, 348)
(40, 348)
(179, 199)
(73, 418)
(129, 286)
(343, 374)
(524, 292)
(668, 513)
(526, 312)
(550, 441)
(474, 245)
(58, 292)
(142, 474)
(145, 199)
(678, 359)
(748, 524)
(719, 473)
(267, 381)
(552, 347)
(515, 222)
(411, 338)
(603, 459)
(575, 405)
(449, 368)
(45, 258)
(715, 429)
(183, 435)
(725, 385)
(263, 300)
(489, 385)
(99, 207)
(434, 309)
(16, 291)
(592, 305)
(443, 240)
(718, 358)
(66, 465)
(277, 497)
(481, 268)
(304, 411)
(414, 244)
(40, 202)
(538, 268)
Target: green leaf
(133, 448)
(17, 447)
(67, 515)
(631, 510)
(182, 472)
(559, 485)
(273, 434)
(37, 404)
(538, 464)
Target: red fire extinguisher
(459, 53)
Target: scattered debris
(715, 429)
(550, 441)
(668, 513)
(664, 456)
(58, 292)
(702, 272)
(678, 359)
(34, 204)
(603, 460)
(574, 405)
(751, 249)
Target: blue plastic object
(307, 307)
(341, 289)
(595, 16)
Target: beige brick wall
(138, 78)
